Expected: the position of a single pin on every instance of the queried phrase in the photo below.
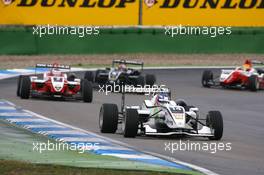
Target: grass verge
(8, 167)
(17, 156)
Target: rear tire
(150, 79)
(206, 78)
(181, 103)
(253, 83)
(214, 120)
(97, 78)
(108, 118)
(87, 91)
(141, 81)
(131, 123)
(25, 87)
(19, 84)
(89, 76)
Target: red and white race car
(54, 83)
(245, 77)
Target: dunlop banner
(69, 12)
(133, 12)
(204, 12)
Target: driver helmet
(163, 97)
(122, 67)
(247, 65)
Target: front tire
(89, 76)
(214, 120)
(150, 79)
(253, 83)
(25, 87)
(108, 118)
(19, 85)
(87, 91)
(131, 123)
(207, 77)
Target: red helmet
(247, 65)
(248, 62)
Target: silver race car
(160, 116)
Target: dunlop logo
(164, 4)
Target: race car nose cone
(57, 88)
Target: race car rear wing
(147, 90)
(139, 63)
(256, 62)
(59, 66)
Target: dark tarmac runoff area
(242, 112)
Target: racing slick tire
(108, 118)
(181, 103)
(253, 83)
(150, 79)
(140, 81)
(214, 120)
(19, 85)
(89, 76)
(206, 78)
(97, 78)
(130, 125)
(87, 91)
(25, 87)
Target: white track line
(111, 148)
(131, 156)
(81, 139)
(11, 108)
(11, 114)
(42, 126)
(25, 120)
(63, 132)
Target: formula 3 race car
(121, 74)
(160, 116)
(54, 83)
(245, 77)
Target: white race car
(160, 116)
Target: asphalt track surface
(243, 114)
